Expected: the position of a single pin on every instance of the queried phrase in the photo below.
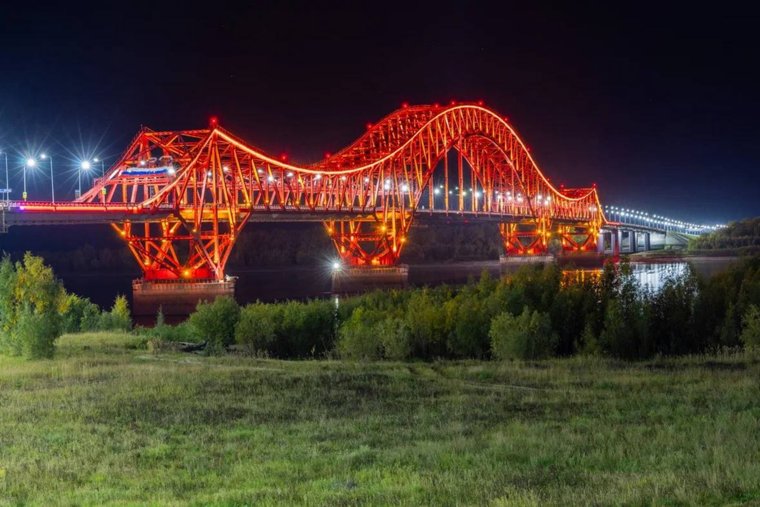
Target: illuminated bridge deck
(74, 213)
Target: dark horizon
(660, 111)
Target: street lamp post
(30, 163)
(102, 166)
(7, 181)
(52, 183)
(84, 166)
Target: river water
(303, 282)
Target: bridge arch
(203, 186)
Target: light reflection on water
(650, 276)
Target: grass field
(104, 423)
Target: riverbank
(686, 255)
(106, 423)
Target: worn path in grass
(105, 423)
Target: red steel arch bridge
(179, 199)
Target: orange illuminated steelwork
(194, 191)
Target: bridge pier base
(358, 279)
(175, 298)
(525, 259)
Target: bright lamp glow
(30, 162)
(86, 165)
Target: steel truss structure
(186, 195)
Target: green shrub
(120, 316)
(527, 336)
(750, 336)
(80, 315)
(427, 323)
(304, 329)
(37, 332)
(624, 330)
(215, 322)
(90, 319)
(670, 316)
(468, 321)
(182, 332)
(589, 343)
(256, 329)
(31, 303)
(358, 337)
(395, 338)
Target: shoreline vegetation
(536, 312)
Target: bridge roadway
(30, 213)
(615, 237)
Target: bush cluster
(287, 330)
(537, 312)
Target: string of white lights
(637, 217)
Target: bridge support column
(526, 237)
(609, 242)
(367, 244)
(579, 237)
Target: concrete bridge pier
(176, 298)
(614, 241)
(348, 280)
(608, 243)
(642, 241)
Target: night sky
(659, 106)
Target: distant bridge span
(181, 198)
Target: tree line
(538, 312)
(742, 236)
(535, 313)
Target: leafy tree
(7, 304)
(395, 338)
(468, 322)
(671, 316)
(305, 329)
(215, 322)
(256, 329)
(31, 303)
(750, 336)
(426, 320)
(80, 314)
(358, 338)
(526, 336)
(624, 333)
(120, 315)
(36, 333)
(589, 342)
